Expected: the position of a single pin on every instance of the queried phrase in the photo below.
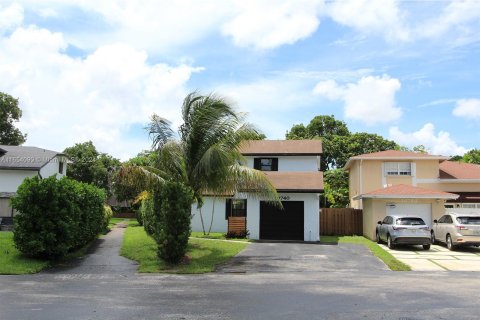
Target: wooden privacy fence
(341, 222)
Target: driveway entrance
(302, 257)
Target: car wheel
(432, 237)
(390, 244)
(377, 238)
(426, 247)
(450, 245)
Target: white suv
(456, 229)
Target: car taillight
(462, 228)
(425, 228)
(398, 228)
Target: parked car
(457, 229)
(395, 230)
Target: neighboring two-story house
(398, 182)
(292, 166)
(18, 163)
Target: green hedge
(56, 216)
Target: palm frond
(160, 131)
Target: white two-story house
(293, 167)
(18, 163)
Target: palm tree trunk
(211, 218)
(201, 220)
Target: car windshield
(468, 220)
(410, 221)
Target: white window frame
(398, 168)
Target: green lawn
(204, 254)
(216, 235)
(383, 255)
(12, 261)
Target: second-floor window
(398, 169)
(60, 167)
(265, 164)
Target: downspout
(361, 182)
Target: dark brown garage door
(277, 224)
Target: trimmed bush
(56, 216)
(147, 215)
(107, 215)
(166, 217)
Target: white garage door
(422, 210)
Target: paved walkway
(102, 258)
(438, 258)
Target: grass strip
(203, 255)
(393, 263)
(13, 262)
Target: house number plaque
(284, 198)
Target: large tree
(9, 114)
(336, 189)
(338, 143)
(205, 153)
(90, 166)
(472, 156)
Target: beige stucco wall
(374, 210)
(427, 169)
(394, 180)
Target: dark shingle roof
(26, 158)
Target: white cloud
(467, 108)
(455, 16)
(439, 144)
(10, 17)
(371, 100)
(371, 16)
(269, 24)
(329, 89)
(99, 98)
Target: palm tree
(205, 154)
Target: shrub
(56, 216)
(147, 215)
(172, 210)
(107, 215)
(237, 234)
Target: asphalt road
(267, 281)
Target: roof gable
(459, 170)
(394, 155)
(281, 147)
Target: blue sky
(96, 70)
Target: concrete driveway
(438, 258)
(302, 257)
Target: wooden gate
(341, 222)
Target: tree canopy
(90, 166)
(339, 143)
(9, 114)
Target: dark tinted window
(410, 221)
(235, 208)
(468, 220)
(385, 220)
(265, 164)
(448, 219)
(442, 219)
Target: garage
(422, 210)
(278, 224)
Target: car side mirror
(379, 222)
(435, 221)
